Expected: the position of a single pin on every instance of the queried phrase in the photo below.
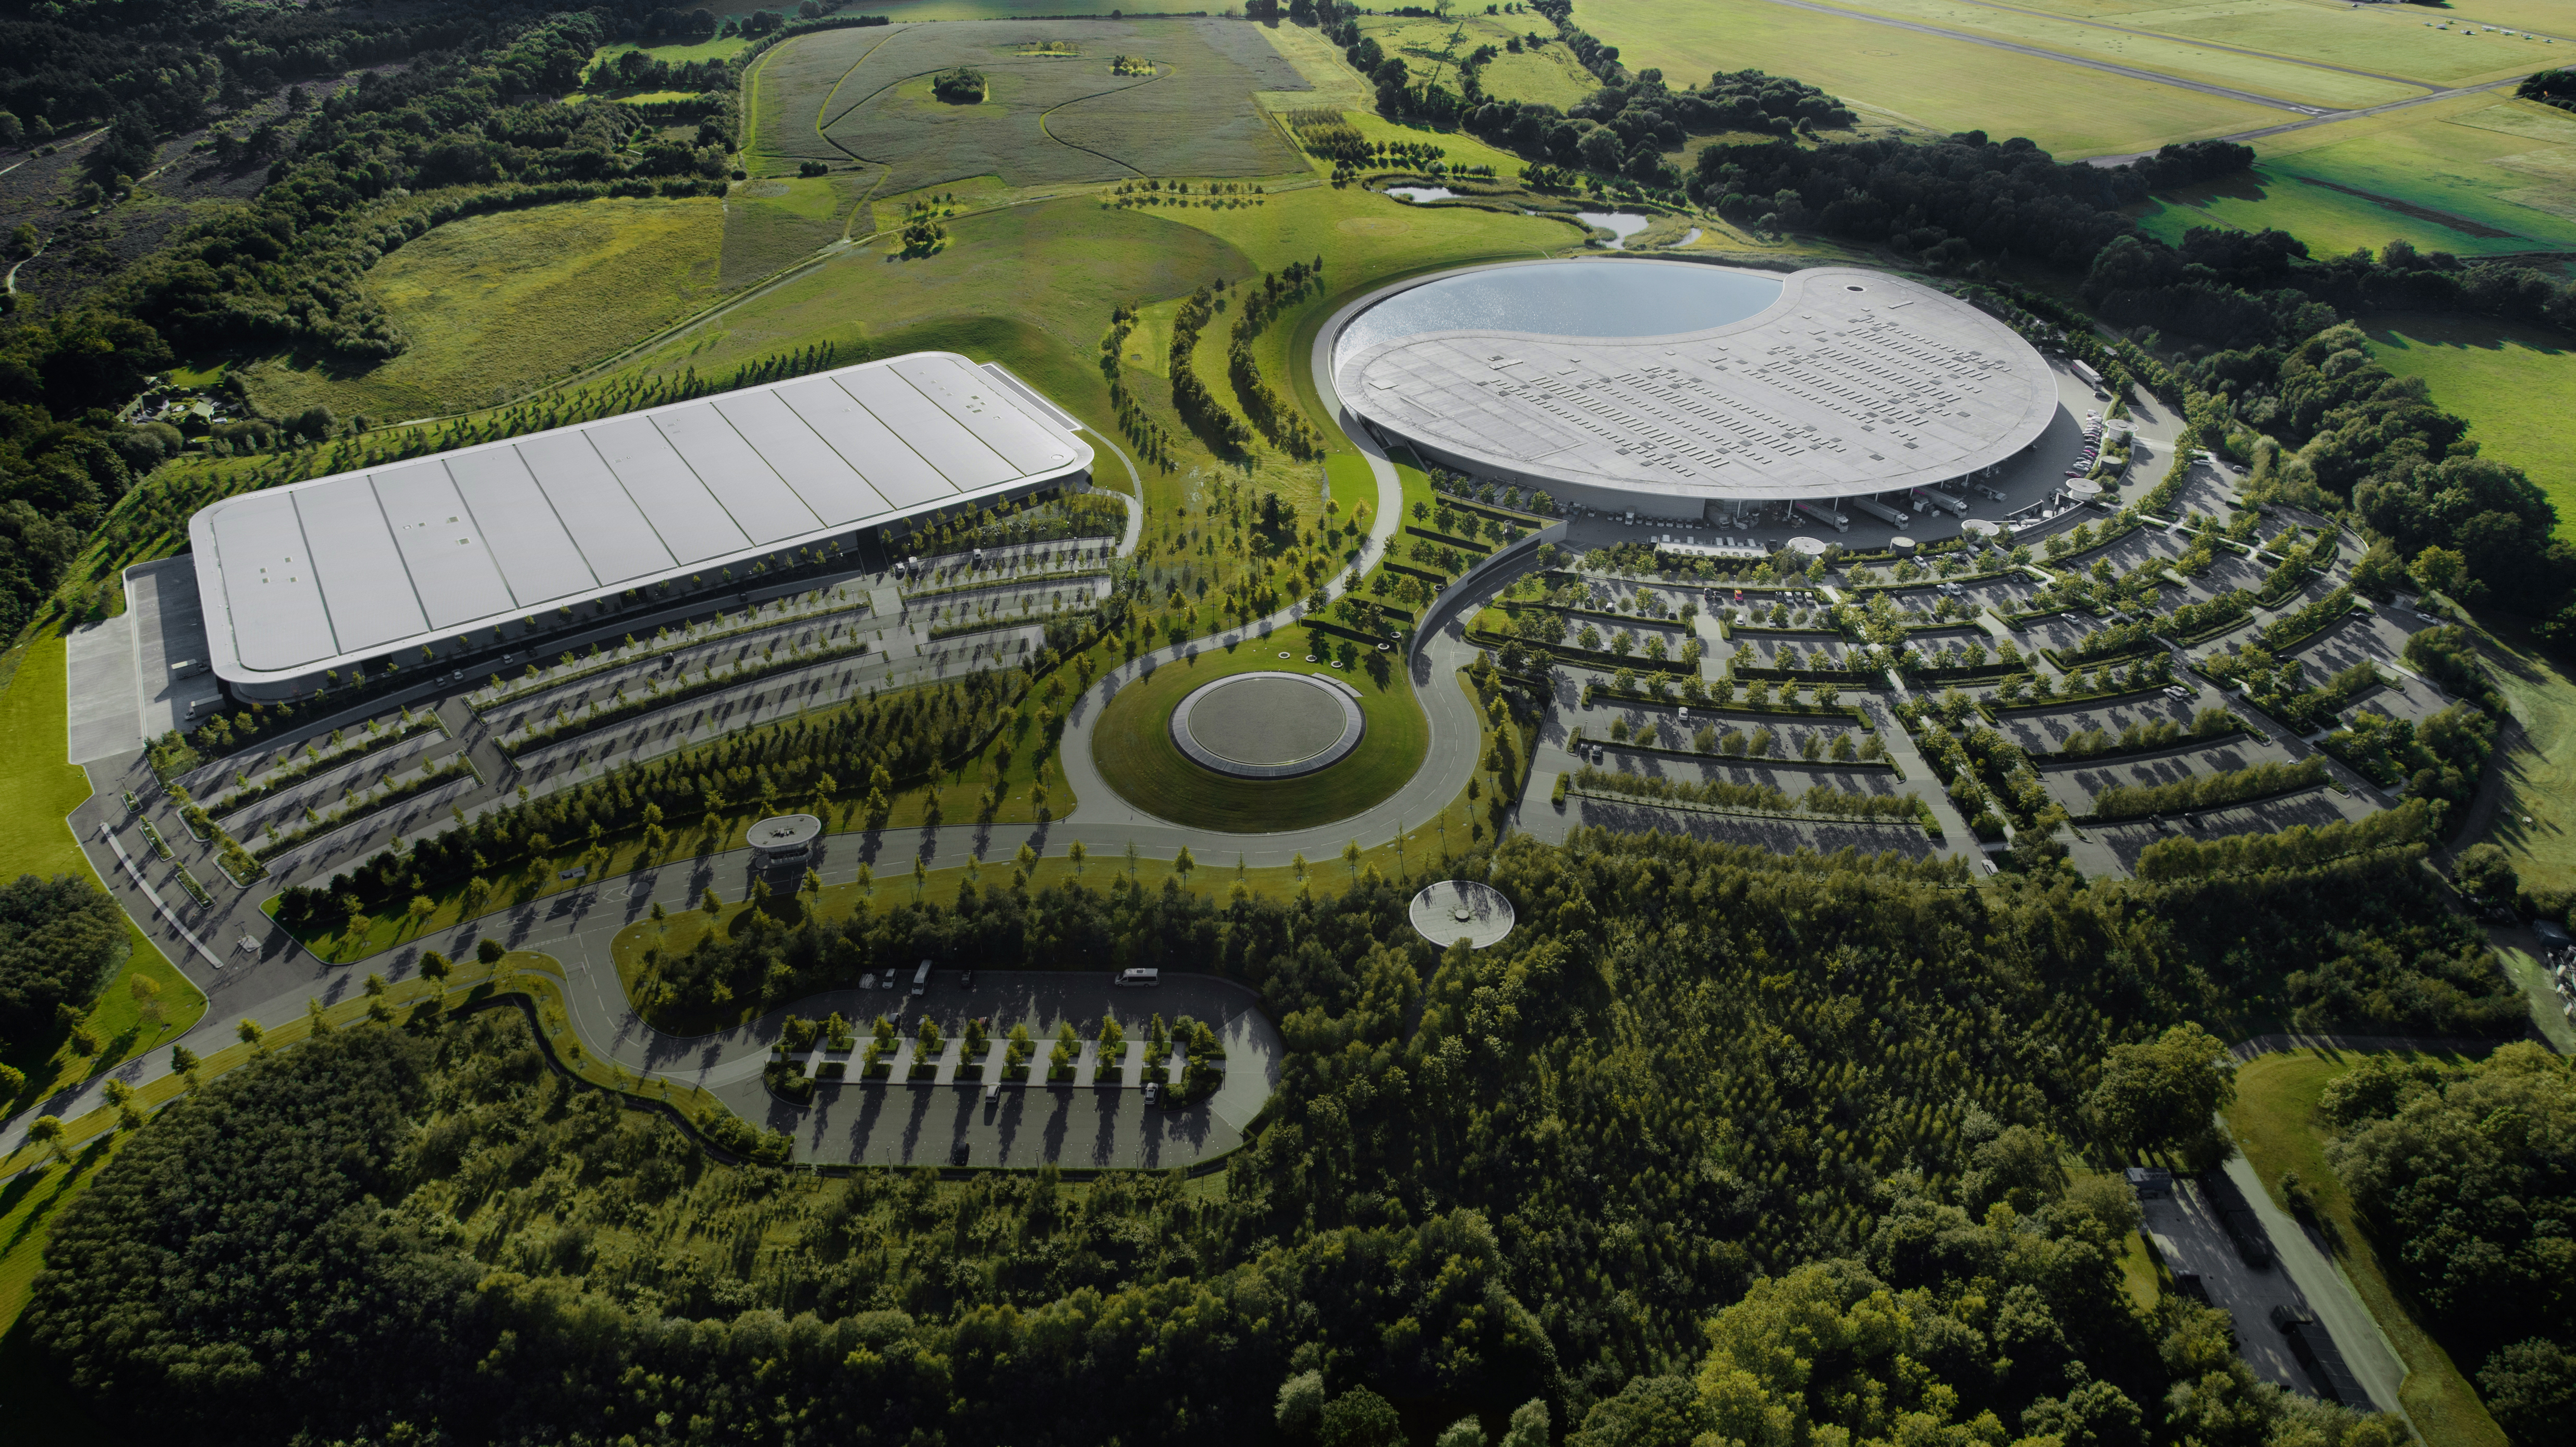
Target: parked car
(1153, 1091)
(1140, 978)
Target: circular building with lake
(1675, 390)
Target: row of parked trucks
(1898, 509)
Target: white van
(921, 979)
(1140, 977)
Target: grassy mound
(1134, 750)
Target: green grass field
(717, 49)
(2141, 45)
(2473, 177)
(497, 304)
(2513, 383)
(775, 222)
(1045, 119)
(36, 790)
(2275, 1124)
(1924, 81)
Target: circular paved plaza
(1462, 909)
(1267, 725)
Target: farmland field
(496, 304)
(2473, 177)
(1922, 81)
(788, 89)
(2150, 46)
(2512, 383)
(864, 96)
(2390, 41)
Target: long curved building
(1672, 389)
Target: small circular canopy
(786, 831)
(1462, 909)
(1981, 528)
(2084, 489)
(1900, 544)
(1807, 547)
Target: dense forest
(60, 939)
(1705, 1103)
(2468, 1179)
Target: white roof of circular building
(1852, 382)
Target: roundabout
(1268, 725)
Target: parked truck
(1824, 514)
(2086, 374)
(1892, 516)
(1942, 500)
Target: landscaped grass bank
(1133, 745)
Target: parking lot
(2106, 848)
(1106, 1124)
(2076, 785)
(2045, 730)
(2189, 1231)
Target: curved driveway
(274, 982)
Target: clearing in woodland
(494, 305)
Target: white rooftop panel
(451, 568)
(371, 599)
(757, 499)
(351, 568)
(976, 401)
(904, 476)
(536, 556)
(1851, 382)
(942, 441)
(687, 517)
(615, 539)
(274, 599)
(823, 478)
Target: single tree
(2164, 1093)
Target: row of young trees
(1707, 1108)
(873, 745)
